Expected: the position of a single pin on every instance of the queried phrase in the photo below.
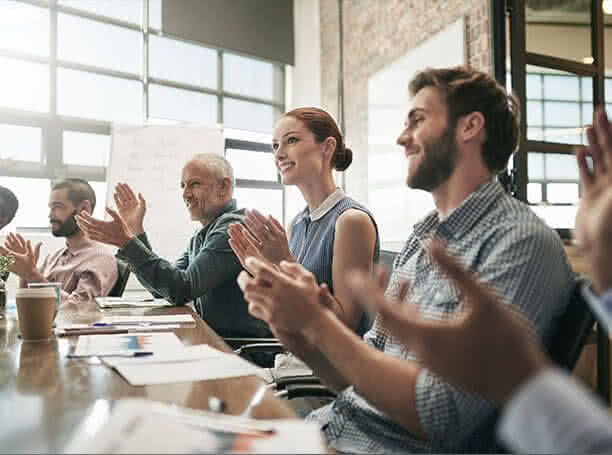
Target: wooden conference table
(44, 395)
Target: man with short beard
(460, 131)
(85, 268)
(205, 273)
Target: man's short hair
(219, 166)
(465, 90)
(79, 190)
(11, 203)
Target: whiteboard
(150, 158)
(396, 207)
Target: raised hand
(25, 261)
(114, 232)
(287, 299)
(270, 237)
(594, 217)
(16, 243)
(243, 243)
(489, 348)
(131, 208)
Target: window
(24, 28)
(130, 11)
(72, 67)
(185, 105)
(24, 143)
(558, 106)
(251, 165)
(86, 149)
(98, 44)
(177, 61)
(268, 202)
(24, 85)
(35, 212)
(95, 96)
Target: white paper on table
(145, 426)
(153, 319)
(165, 343)
(194, 363)
(131, 302)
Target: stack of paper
(126, 324)
(193, 363)
(131, 302)
(141, 426)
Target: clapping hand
(25, 257)
(114, 232)
(269, 236)
(594, 217)
(131, 208)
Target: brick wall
(377, 32)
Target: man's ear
(85, 205)
(471, 126)
(224, 186)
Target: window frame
(53, 125)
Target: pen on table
(111, 324)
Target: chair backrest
(572, 330)
(123, 273)
(386, 258)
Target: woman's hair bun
(342, 159)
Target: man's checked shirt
(523, 260)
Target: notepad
(148, 319)
(131, 302)
(125, 344)
(193, 363)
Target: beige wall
(377, 32)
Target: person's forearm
(318, 363)
(385, 381)
(553, 413)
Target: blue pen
(111, 324)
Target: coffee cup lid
(35, 292)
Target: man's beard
(439, 159)
(68, 228)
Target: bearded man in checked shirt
(460, 131)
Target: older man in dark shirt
(206, 272)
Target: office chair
(123, 274)
(572, 330)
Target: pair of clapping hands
(489, 348)
(260, 237)
(23, 256)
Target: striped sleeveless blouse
(312, 239)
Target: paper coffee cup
(35, 311)
(58, 292)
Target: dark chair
(386, 258)
(260, 351)
(123, 274)
(572, 330)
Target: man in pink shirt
(85, 268)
